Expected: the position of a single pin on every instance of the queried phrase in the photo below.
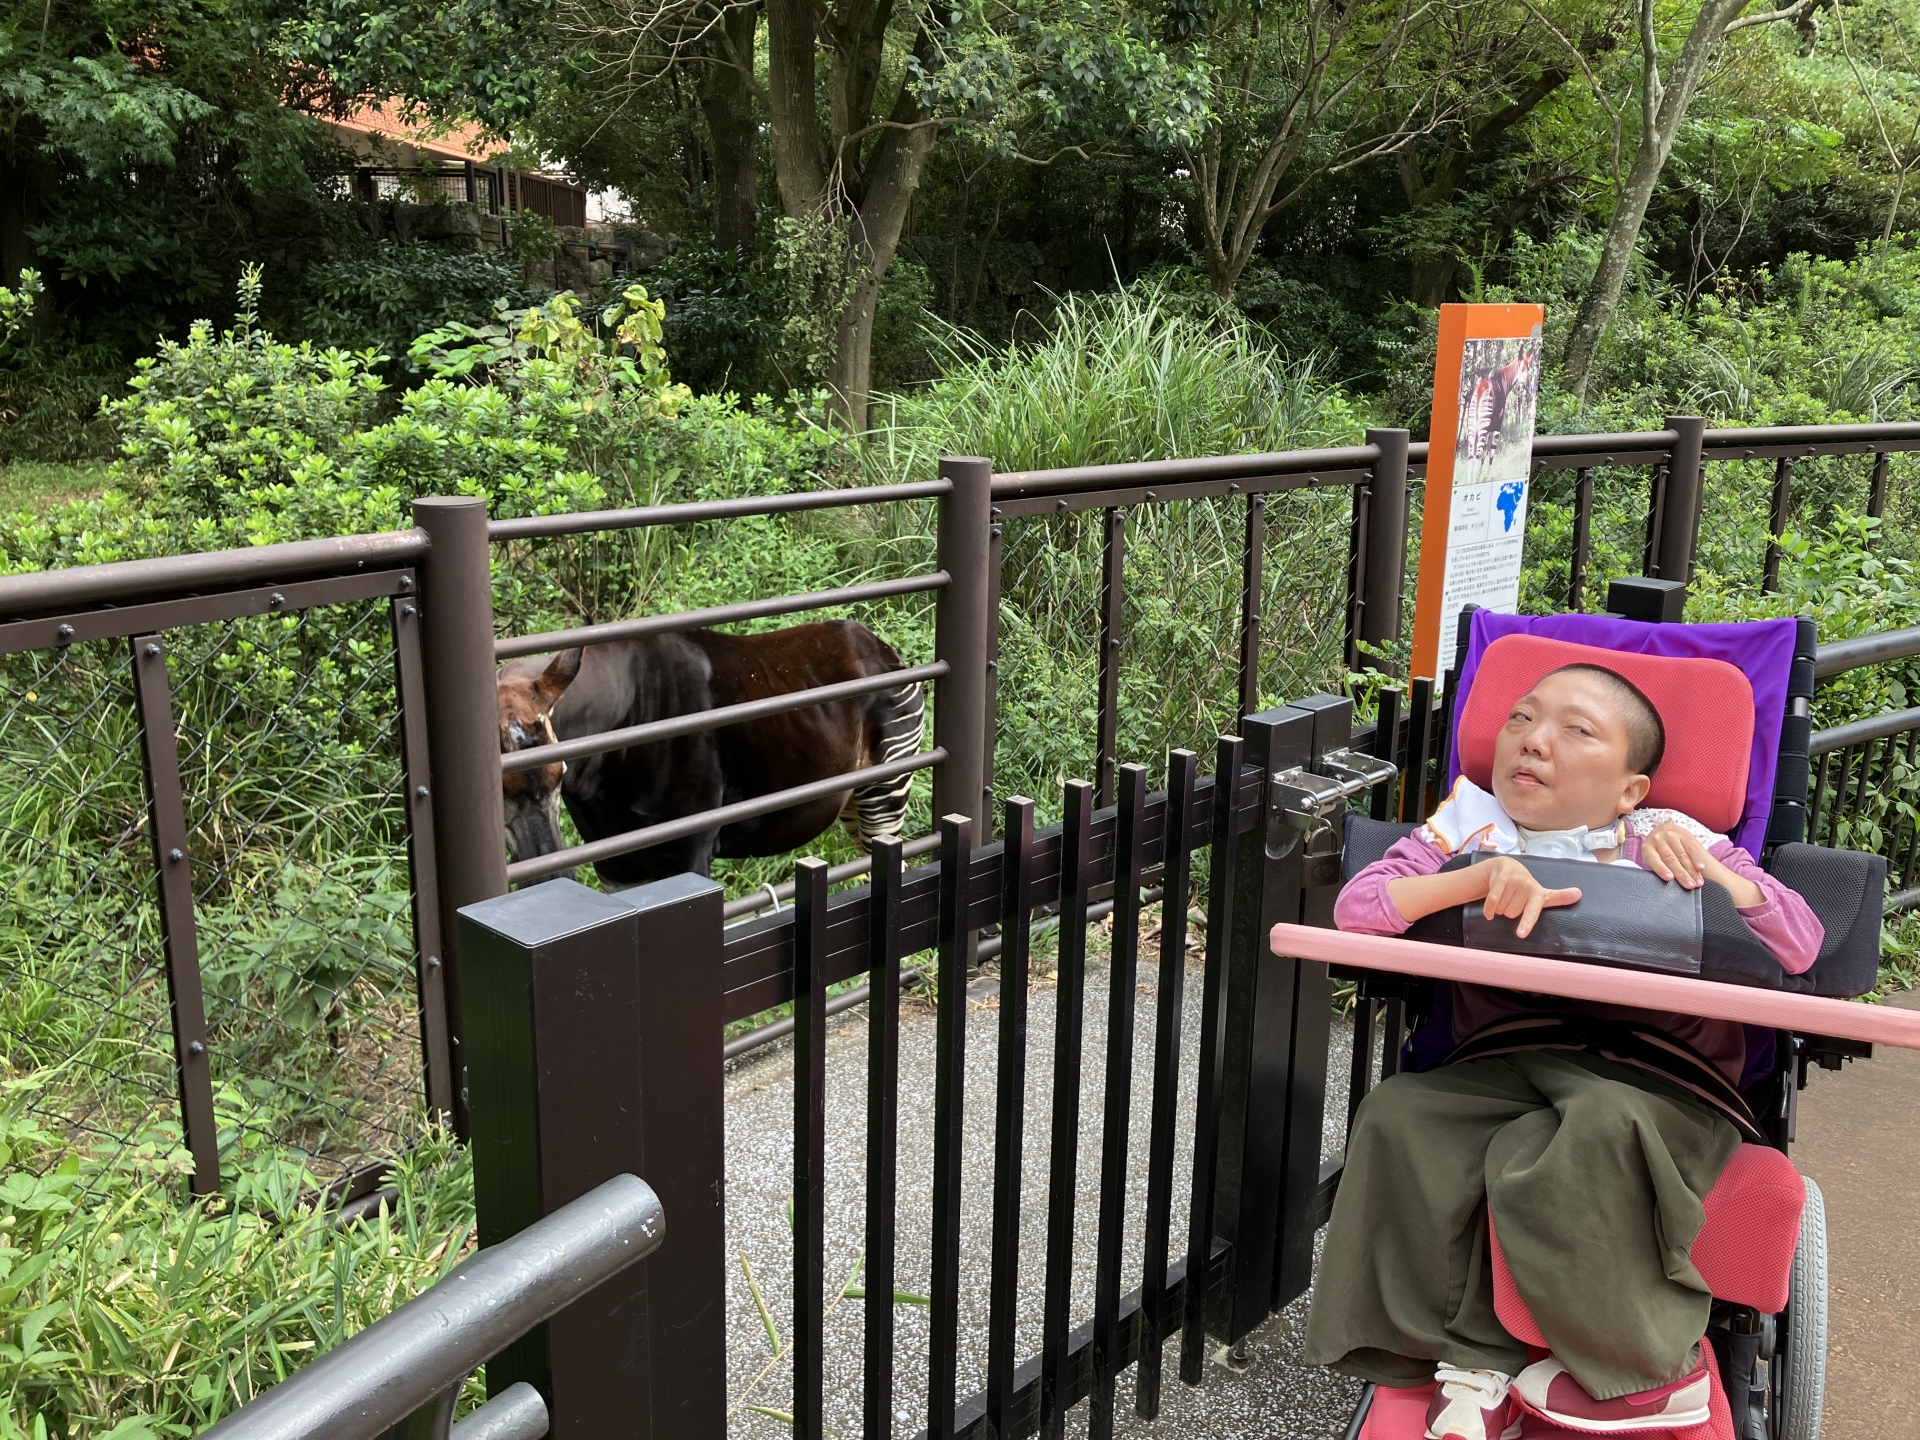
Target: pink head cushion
(1706, 706)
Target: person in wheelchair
(1587, 1134)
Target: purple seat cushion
(1761, 649)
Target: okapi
(658, 677)
(1485, 417)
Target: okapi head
(527, 693)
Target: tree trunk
(733, 132)
(1663, 108)
(892, 177)
(851, 375)
(1432, 273)
(1432, 280)
(799, 153)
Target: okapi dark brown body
(633, 682)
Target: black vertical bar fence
(884, 922)
(949, 1087)
(1010, 1102)
(809, 1146)
(1176, 870)
(1063, 1153)
(1118, 1097)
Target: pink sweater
(1782, 922)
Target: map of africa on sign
(1509, 502)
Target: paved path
(1860, 1139)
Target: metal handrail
(1018, 484)
(416, 1358)
(1858, 732)
(542, 866)
(654, 731)
(517, 645)
(1839, 656)
(40, 591)
(586, 521)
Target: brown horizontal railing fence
(209, 853)
(230, 872)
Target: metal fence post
(463, 741)
(595, 1051)
(960, 639)
(1303, 1176)
(1680, 510)
(1260, 1000)
(1386, 558)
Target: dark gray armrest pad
(1845, 888)
(1367, 841)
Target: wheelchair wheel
(1801, 1365)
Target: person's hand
(1674, 852)
(1512, 891)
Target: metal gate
(576, 983)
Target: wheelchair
(1738, 762)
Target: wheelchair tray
(1573, 980)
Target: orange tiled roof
(460, 142)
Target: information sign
(1485, 384)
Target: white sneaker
(1549, 1390)
(1472, 1405)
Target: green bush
(128, 1315)
(383, 298)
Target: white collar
(1473, 819)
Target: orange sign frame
(1458, 325)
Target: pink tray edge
(1814, 1014)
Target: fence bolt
(276, 599)
(406, 582)
(176, 856)
(420, 792)
(408, 610)
(153, 651)
(433, 962)
(65, 632)
(196, 1048)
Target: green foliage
(127, 1314)
(1132, 376)
(384, 298)
(723, 318)
(16, 305)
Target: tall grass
(1137, 375)
(1127, 376)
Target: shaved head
(1646, 735)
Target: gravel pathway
(1274, 1396)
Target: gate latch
(1303, 805)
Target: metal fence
(1216, 1256)
(283, 992)
(207, 939)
